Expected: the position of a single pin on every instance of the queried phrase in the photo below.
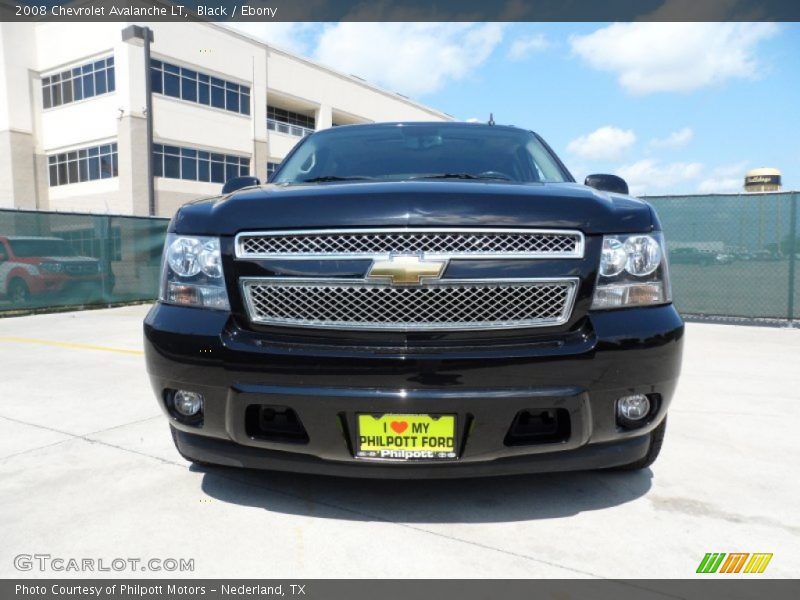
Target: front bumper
(609, 355)
(56, 283)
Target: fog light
(633, 408)
(186, 403)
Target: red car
(39, 266)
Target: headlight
(614, 257)
(183, 256)
(192, 272)
(633, 272)
(644, 255)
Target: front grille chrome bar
(442, 305)
(435, 243)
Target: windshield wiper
(323, 178)
(461, 176)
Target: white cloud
(674, 57)
(726, 178)
(411, 58)
(295, 37)
(523, 47)
(720, 185)
(650, 176)
(676, 139)
(606, 143)
(737, 168)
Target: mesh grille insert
(554, 244)
(462, 305)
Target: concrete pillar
(41, 169)
(17, 140)
(259, 165)
(132, 128)
(17, 174)
(324, 117)
(132, 151)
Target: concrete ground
(88, 470)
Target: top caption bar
(400, 10)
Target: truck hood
(415, 204)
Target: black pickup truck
(417, 300)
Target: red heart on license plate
(399, 426)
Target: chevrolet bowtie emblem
(406, 270)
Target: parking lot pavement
(88, 470)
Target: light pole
(145, 35)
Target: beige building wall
(29, 133)
(18, 185)
(17, 170)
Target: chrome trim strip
(242, 255)
(572, 283)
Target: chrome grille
(449, 304)
(372, 243)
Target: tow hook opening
(539, 426)
(274, 423)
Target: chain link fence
(730, 256)
(63, 259)
(733, 255)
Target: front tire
(18, 293)
(653, 450)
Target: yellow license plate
(406, 437)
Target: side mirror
(607, 183)
(238, 183)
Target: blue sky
(674, 108)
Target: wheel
(199, 463)
(18, 292)
(656, 441)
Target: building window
(86, 164)
(197, 165)
(193, 86)
(271, 168)
(92, 79)
(286, 121)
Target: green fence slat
(794, 248)
(729, 254)
(51, 259)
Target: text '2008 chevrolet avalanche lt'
(417, 300)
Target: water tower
(765, 179)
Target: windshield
(30, 248)
(421, 151)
